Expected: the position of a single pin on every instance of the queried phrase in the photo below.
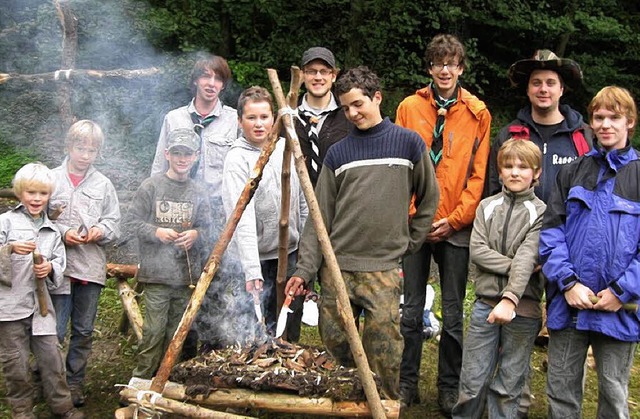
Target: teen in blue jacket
(589, 250)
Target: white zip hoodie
(257, 231)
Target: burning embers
(273, 366)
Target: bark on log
(116, 270)
(7, 193)
(175, 346)
(344, 304)
(70, 74)
(131, 307)
(273, 402)
(168, 405)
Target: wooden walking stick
(212, 265)
(40, 291)
(344, 305)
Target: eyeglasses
(82, 150)
(324, 72)
(450, 66)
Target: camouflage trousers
(377, 294)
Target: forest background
(389, 36)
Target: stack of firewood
(272, 366)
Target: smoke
(129, 110)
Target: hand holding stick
(632, 307)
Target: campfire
(275, 365)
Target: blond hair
(524, 150)
(85, 132)
(617, 100)
(33, 176)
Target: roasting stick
(212, 265)
(344, 305)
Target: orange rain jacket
(466, 141)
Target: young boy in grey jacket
(506, 315)
(32, 262)
(90, 220)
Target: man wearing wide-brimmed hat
(557, 129)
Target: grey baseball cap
(185, 137)
(318, 53)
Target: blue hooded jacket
(591, 235)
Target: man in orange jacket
(455, 126)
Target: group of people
(552, 202)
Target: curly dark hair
(358, 78)
(443, 46)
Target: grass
(113, 360)
(12, 159)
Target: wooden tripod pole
(283, 238)
(175, 346)
(344, 304)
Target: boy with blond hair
(589, 250)
(506, 315)
(32, 261)
(89, 221)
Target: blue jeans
(453, 266)
(567, 353)
(81, 307)
(495, 364)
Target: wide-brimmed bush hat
(544, 59)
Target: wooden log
(131, 307)
(7, 193)
(162, 404)
(272, 402)
(344, 304)
(212, 265)
(116, 270)
(70, 74)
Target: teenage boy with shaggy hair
(392, 164)
(454, 124)
(589, 250)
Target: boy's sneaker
(72, 414)
(77, 396)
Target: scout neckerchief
(438, 128)
(199, 124)
(311, 118)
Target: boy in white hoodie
(257, 231)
